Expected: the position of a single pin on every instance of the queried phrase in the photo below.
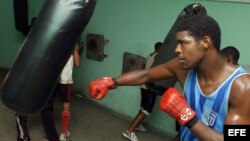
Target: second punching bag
(45, 51)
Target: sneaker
(130, 135)
(64, 137)
(141, 128)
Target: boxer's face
(189, 50)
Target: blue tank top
(212, 109)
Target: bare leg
(137, 121)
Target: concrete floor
(89, 122)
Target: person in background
(215, 93)
(230, 54)
(65, 83)
(63, 90)
(147, 101)
(21, 119)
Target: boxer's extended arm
(99, 88)
(169, 70)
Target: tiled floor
(89, 122)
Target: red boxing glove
(175, 104)
(99, 88)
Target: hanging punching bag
(33, 76)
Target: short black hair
(231, 52)
(199, 26)
(158, 45)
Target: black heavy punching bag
(45, 51)
(167, 51)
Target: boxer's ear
(206, 42)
